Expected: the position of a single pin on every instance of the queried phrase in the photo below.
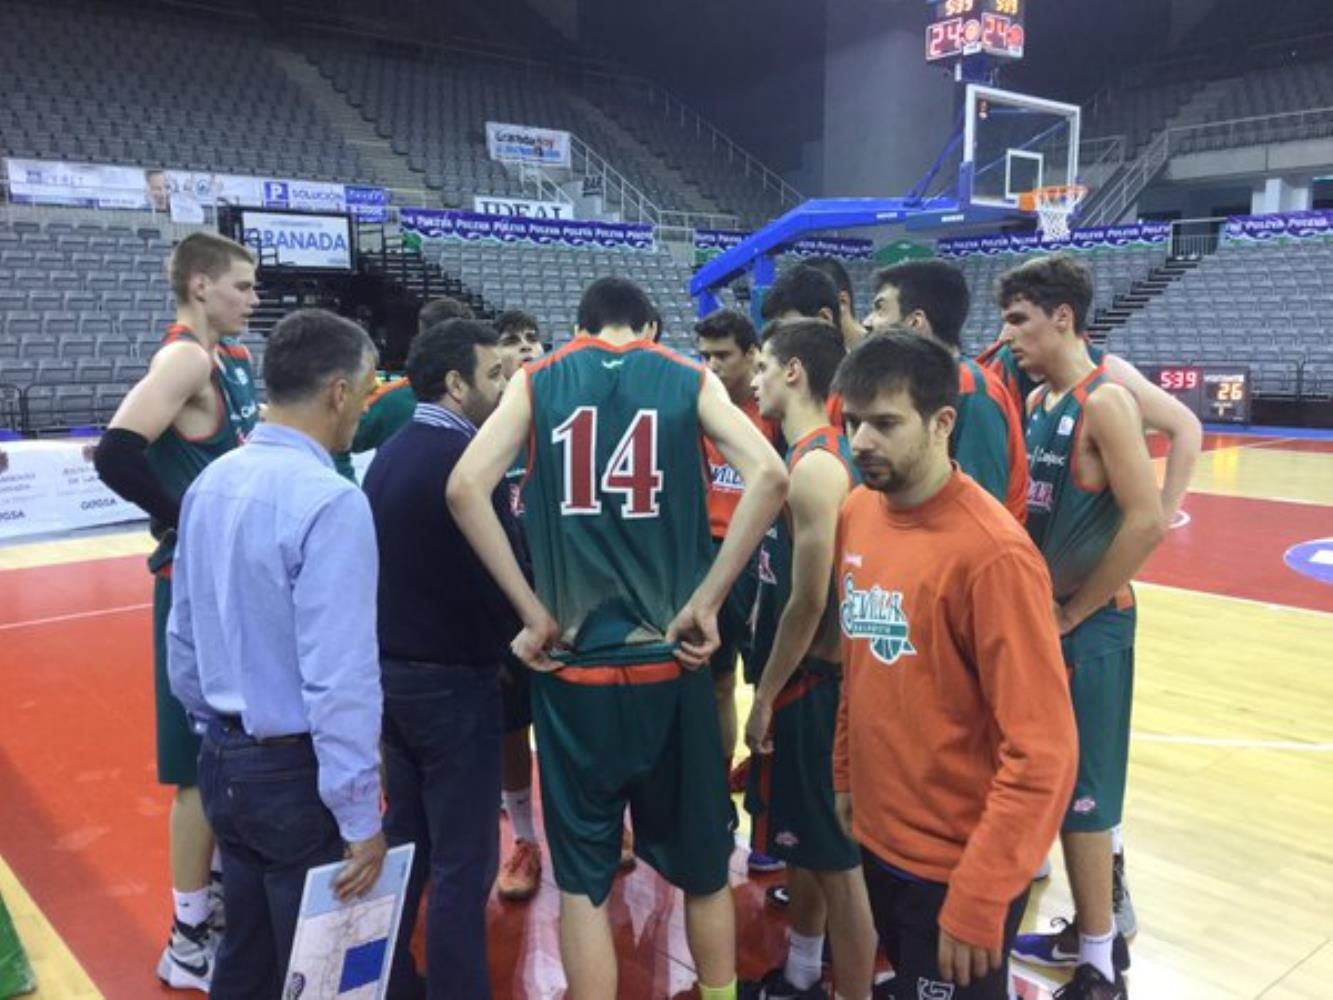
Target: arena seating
(77, 86)
(1263, 304)
(434, 111)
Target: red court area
(85, 823)
(85, 827)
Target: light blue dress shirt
(273, 611)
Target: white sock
(805, 960)
(519, 807)
(1095, 950)
(191, 907)
(1118, 839)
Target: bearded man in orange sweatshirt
(956, 747)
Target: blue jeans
(271, 826)
(441, 740)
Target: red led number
(632, 471)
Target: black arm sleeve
(122, 464)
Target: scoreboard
(1217, 393)
(960, 28)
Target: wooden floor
(1229, 827)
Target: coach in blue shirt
(271, 649)
(443, 629)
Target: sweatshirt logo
(876, 614)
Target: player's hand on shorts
(842, 802)
(962, 963)
(693, 634)
(756, 727)
(534, 644)
(365, 858)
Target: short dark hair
(655, 318)
(937, 288)
(899, 359)
(722, 323)
(1048, 283)
(441, 310)
(834, 268)
(206, 253)
(444, 348)
(802, 289)
(613, 302)
(309, 347)
(812, 342)
(514, 321)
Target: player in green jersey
(623, 614)
(196, 403)
(1095, 513)
(791, 725)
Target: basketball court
(1229, 828)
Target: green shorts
(734, 626)
(645, 737)
(1100, 657)
(790, 794)
(177, 742)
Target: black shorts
(907, 914)
(515, 694)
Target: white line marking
(1269, 605)
(1247, 496)
(1234, 744)
(74, 617)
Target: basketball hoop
(1054, 206)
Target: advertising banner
(485, 204)
(527, 144)
(436, 224)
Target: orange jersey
(724, 483)
(955, 731)
(834, 408)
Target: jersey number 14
(631, 472)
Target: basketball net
(1054, 207)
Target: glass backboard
(1014, 143)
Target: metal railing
(673, 107)
(1258, 130)
(1193, 239)
(542, 186)
(621, 196)
(1110, 203)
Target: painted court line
(77, 616)
(1270, 605)
(1231, 494)
(1230, 743)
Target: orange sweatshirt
(955, 732)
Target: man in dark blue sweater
(443, 629)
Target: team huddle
(920, 561)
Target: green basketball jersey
(176, 459)
(1000, 360)
(775, 552)
(615, 511)
(1073, 527)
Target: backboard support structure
(1006, 145)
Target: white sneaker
(187, 961)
